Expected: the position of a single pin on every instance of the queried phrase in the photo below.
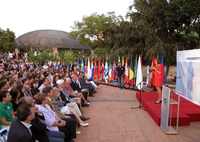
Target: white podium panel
(168, 102)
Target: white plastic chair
(4, 134)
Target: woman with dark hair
(20, 88)
(159, 71)
(56, 77)
(15, 99)
(34, 87)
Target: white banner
(188, 74)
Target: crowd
(42, 101)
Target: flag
(114, 70)
(162, 62)
(95, 69)
(86, 65)
(82, 65)
(148, 73)
(135, 72)
(110, 72)
(152, 74)
(99, 69)
(77, 63)
(88, 69)
(126, 72)
(102, 70)
(123, 61)
(131, 73)
(106, 71)
(118, 60)
(92, 69)
(139, 80)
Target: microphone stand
(140, 105)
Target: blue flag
(162, 62)
(77, 63)
(82, 65)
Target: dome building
(45, 39)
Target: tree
(97, 30)
(166, 26)
(7, 40)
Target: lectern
(166, 111)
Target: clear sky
(22, 16)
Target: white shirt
(41, 87)
(45, 67)
(10, 55)
(35, 53)
(28, 126)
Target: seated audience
(52, 121)
(38, 128)
(74, 93)
(15, 99)
(20, 129)
(6, 109)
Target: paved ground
(113, 120)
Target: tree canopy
(152, 27)
(7, 40)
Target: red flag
(99, 69)
(114, 70)
(95, 70)
(126, 72)
(131, 73)
(152, 74)
(102, 70)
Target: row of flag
(107, 72)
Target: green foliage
(155, 27)
(7, 41)
(72, 55)
(97, 30)
(166, 27)
(45, 55)
(67, 56)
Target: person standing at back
(120, 75)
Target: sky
(22, 16)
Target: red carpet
(188, 110)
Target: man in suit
(71, 66)
(20, 128)
(76, 87)
(85, 85)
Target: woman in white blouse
(52, 121)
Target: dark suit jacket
(75, 86)
(62, 95)
(19, 133)
(83, 83)
(72, 68)
(39, 129)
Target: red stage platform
(188, 110)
